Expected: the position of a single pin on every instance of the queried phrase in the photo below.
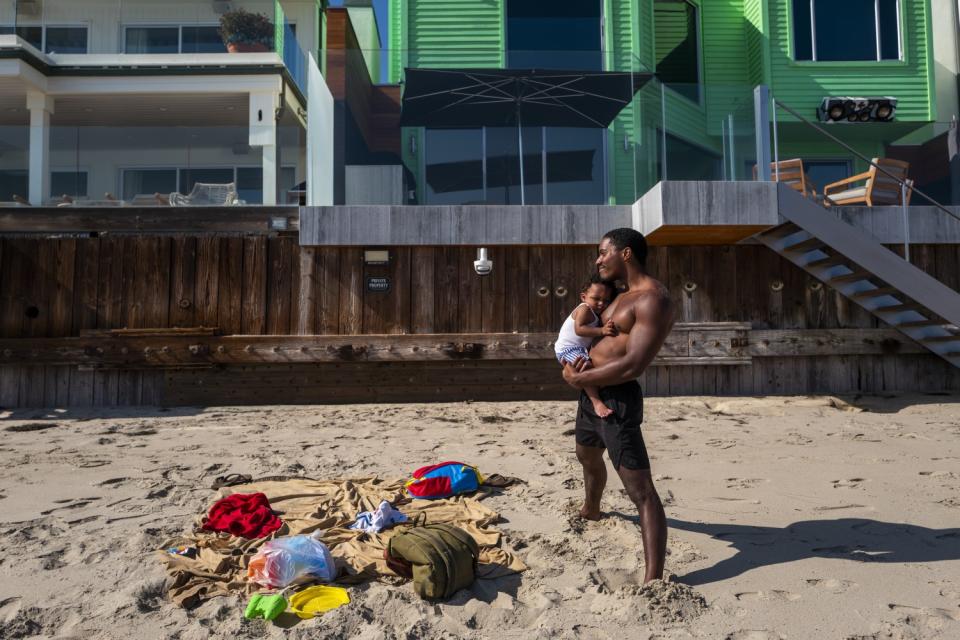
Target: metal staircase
(866, 272)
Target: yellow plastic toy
(313, 601)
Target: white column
(40, 106)
(263, 134)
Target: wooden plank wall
(53, 287)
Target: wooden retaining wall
(801, 338)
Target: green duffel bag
(441, 559)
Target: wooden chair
(878, 188)
(791, 173)
(207, 195)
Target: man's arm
(654, 317)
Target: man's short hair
(625, 237)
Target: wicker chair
(207, 195)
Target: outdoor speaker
(847, 109)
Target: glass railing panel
(14, 164)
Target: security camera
(482, 265)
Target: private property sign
(378, 284)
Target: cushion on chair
(859, 192)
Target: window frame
(163, 25)
(43, 34)
(901, 37)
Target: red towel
(247, 515)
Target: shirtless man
(643, 317)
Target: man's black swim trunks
(620, 432)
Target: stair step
(874, 293)
(851, 277)
(920, 323)
(829, 261)
(782, 231)
(896, 308)
(940, 339)
(805, 246)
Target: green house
(694, 121)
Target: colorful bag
(443, 480)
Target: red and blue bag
(443, 480)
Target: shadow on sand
(855, 539)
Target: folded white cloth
(376, 521)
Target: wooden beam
(169, 349)
(830, 342)
(140, 220)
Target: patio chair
(791, 173)
(878, 188)
(207, 195)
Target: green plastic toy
(267, 607)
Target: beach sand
(789, 518)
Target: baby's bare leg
(594, 394)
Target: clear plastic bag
(281, 561)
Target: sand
(789, 518)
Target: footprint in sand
(931, 617)
(742, 483)
(773, 594)
(31, 426)
(721, 444)
(747, 634)
(949, 502)
(852, 483)
(833, 585)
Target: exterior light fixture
(847, 109)
(376, 256)
(278, 223)
(483, 265)
(413, 144)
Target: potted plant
(245, 32)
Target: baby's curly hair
(595, 279)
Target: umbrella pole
(523, 199)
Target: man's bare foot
(602, 410)
(590, 514)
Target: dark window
(822, 172)
(678, 52)
(202, 40)
(148, 181)
(13, 182)
(454, 166)
(554, 35)
(575, 166)
(846, 31)
(250, 184)
(66, 40)
(152, 40)
(503, 166)
(686, 161)
(189, 177)
(70, 183)
(33, 35)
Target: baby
(582, 326)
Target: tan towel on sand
(305, 505)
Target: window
(13, 182)
(51, 39)
(554, 35)
(823, 172)
(482, 166)
(148, 181)
(677, 46)
(454, 166)
(66, 40)
(851, 30)
(69, 183)
(174, 39)
(249, 180)
(686, 161)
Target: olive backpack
(441, 559)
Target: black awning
(508, 97)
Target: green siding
(802, 85)
(755, 40)
(624, 32)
